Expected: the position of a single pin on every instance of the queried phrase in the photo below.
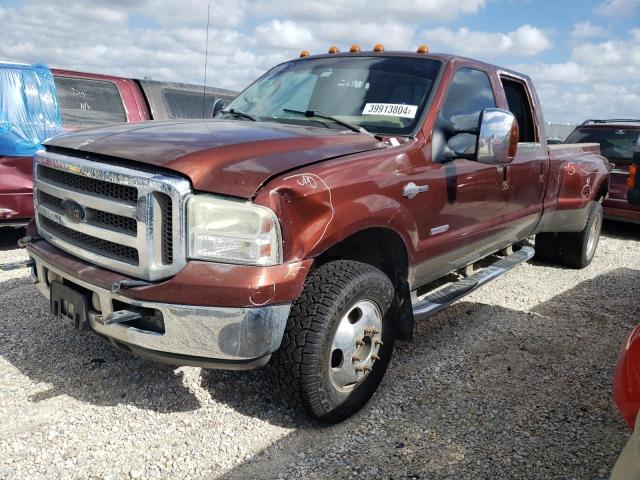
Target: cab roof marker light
(304, 53)
(334, 49)
(355, 48)
(378, 47)
(424, 49)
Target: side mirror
(218, 106)
(497, 142)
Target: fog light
(53, 277)
(95, 302)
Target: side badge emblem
(410, 190)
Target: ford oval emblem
(74, 211)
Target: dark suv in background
(633, 180)
(619, 141)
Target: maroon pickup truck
(312, 221)
(89, 100)
(619, 141)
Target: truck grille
(127, 220)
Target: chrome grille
(88, 185)
(128, 220)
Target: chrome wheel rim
(594, 234)
(355, 345)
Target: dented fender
(319, 209)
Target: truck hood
(229, 157)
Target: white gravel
(514, 381)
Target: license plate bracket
(69, 304)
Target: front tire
(337, 344)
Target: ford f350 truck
(311, 222)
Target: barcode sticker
(390, 109)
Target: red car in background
(626, 394)
(89, 100)
(619, 141)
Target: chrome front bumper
(210, 337)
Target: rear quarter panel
(577, 175)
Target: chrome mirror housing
(497, 142)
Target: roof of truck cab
(443, 57)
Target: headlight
(232, 231)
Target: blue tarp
(29, 111)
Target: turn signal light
(423, 49)
(378, 47)
(334, 49)
(631, 179)
(304, 53)
(355, 49)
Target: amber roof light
(378, 47)
(423, 49)
(304, 53)
(355, 48)
(334, 49)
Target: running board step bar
(6, 267)
(431, 303)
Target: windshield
(384, 95)
(615, 143)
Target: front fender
(318, 211)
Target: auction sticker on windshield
(390, 109)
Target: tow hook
(120, 284)
(24, 241)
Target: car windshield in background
(616, 143)
(384, 95)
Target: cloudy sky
(583, 55)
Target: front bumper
(234, 338)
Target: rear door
(526, 177)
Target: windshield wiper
(315, 113)
(239, 114)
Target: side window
(519, 105)
(88, 103)
(470, 92)
(181, 104)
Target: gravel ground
(514, 381)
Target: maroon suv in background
(619, 141)
(90, 100)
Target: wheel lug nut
(375, 357)
(378, 343)
(359, 342)
(355, 358)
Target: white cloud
(617, 8)
(285, 34)
(166, 40)
(569, 72)
(413, 11)
(524, 41)
(586, 29)
(601, 80)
